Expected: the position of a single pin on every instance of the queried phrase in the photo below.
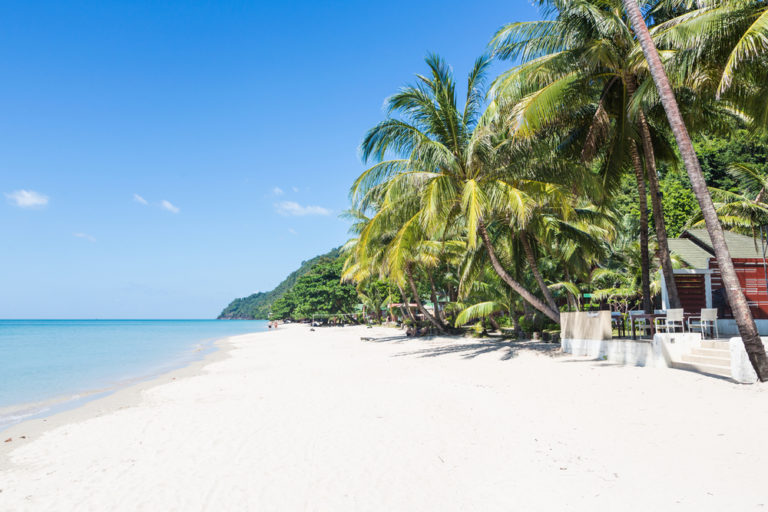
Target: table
(649, 318)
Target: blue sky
(158, 159)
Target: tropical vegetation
(557, 183)
(501, 201)
(257, 306)
(317, 294)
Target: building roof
(693, 255)
(695, 247)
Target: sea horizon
(127, 319)
(50, 365)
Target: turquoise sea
(50, 365)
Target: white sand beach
(299, 420)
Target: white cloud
(295, 189)
(293, 209)
(27, 199)
(292, 231)
(277, 191)
(84, 236)
(167, 205)
(139, 199)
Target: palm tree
(365, 254)
(488, 297)
(451, 159)
(744, 212)
(392, 243)
(559, 232)
(577, 246)
(737, 300)
(721, 44)
(579, 68)
(617, 277)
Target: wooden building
(699, 285)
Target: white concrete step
(712, 352)
(715, 361)
(723, 371)
(720, 345)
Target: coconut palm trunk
(433, 295)
(658, 214)
(573, 304)
(407, 303)
(517, 287)
(453, 294)
(537, 273)
(417, 299)
(516, 325)
(736, 299)
(645, 260)
(494, 323)
(658, 210)
(527, 312)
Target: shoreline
(54, 366)
(122, 396)
(62, 403)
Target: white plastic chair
(673, 320)
(707, 320)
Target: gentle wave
(15, 414)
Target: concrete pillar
(664, 296)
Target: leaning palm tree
(579, 73)
(453, 158)
(737, 300)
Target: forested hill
(257, 306)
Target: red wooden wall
(752, 276)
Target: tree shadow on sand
(386, 339)
(470, 350)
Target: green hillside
(257, 306)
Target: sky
(158, 159)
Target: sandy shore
(299, 420)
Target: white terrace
(591, 334)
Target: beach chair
(672, 320)
(640, 323)
(706, 320)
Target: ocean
(50, 365)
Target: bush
(526, 325)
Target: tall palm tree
(737, 300)
(453, 158)
(579, 66)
